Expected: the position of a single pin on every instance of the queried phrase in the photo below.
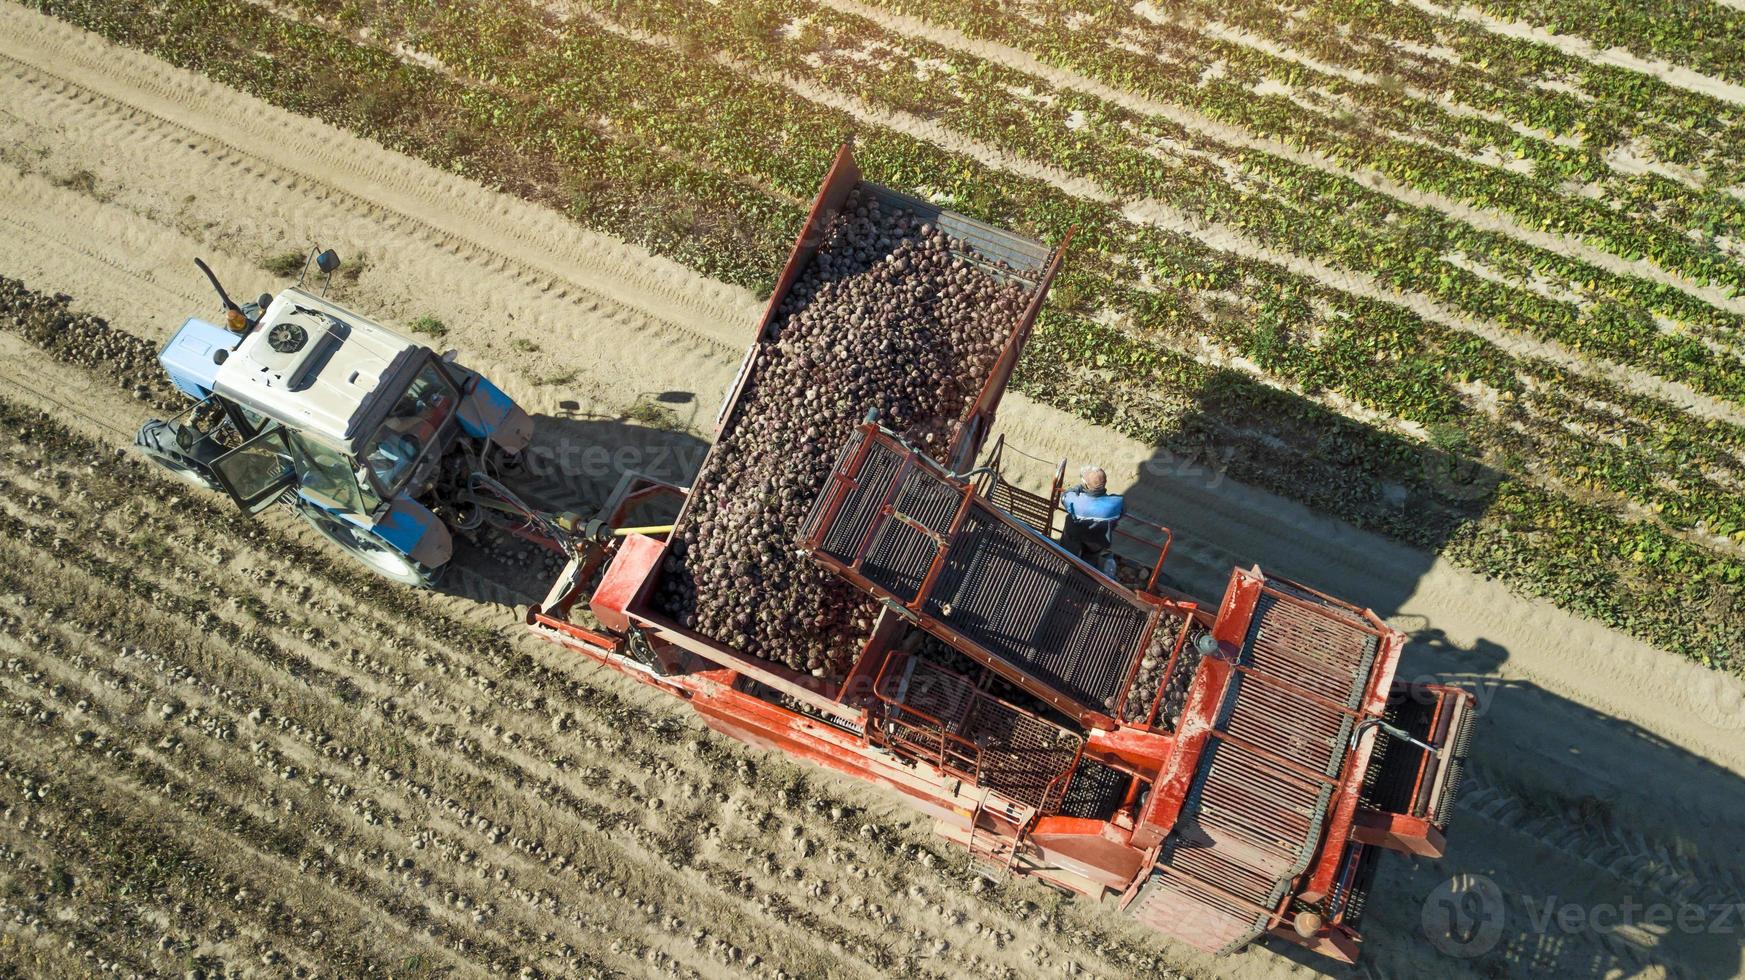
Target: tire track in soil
(567, 287)
(508, 235)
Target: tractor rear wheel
(374, 553)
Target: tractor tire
(370, 551)
(158, 440)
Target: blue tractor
(380, 443)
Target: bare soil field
(227, 752)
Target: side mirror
(327, 261)
(449, 355)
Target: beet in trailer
(991, 687)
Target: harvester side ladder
(993, 851)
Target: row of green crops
(729, 158)
(1232, 99)
(1521, 81)
(1515, 97)
(1284, 205)
(1702, 35)
(1372, 354)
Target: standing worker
(1091, 514)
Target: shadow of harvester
(1580, 839)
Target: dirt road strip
(1606, 770)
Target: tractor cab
(371, 436)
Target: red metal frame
(842, 728)
(1162, 550)
(834, 496)
(970, 750)
(1080, 854)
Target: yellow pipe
(622, 532)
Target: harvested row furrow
(107, 913)
(269, 859)
(106, 930)
(393, 858)
(468, 827)
(404, 723)
(175, 854)
(317, 742)
(637, 720)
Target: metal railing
(993, 483)
(918, 732)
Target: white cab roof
(316, 367)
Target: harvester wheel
(374, 553)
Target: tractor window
(257, 471)
(415, 422)
(327, 475)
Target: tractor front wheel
(174, 449)
(374, 553)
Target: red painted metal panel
(1144, 751)
(1397, 831)
(626, 578)
(1091, 848)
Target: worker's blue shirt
(1093, 508)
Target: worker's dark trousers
(1090, 542)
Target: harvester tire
(370, 551)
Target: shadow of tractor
(573, 464)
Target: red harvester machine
(1229, 771)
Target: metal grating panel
(1351, 891)
(855, 518)
(1015, 600)
(1096, 791)
(940, 716)
(1033, 606)
(1250, 823)
(1390, 784)
(901, 553)
(1032, 508)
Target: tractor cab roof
(318, 368)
